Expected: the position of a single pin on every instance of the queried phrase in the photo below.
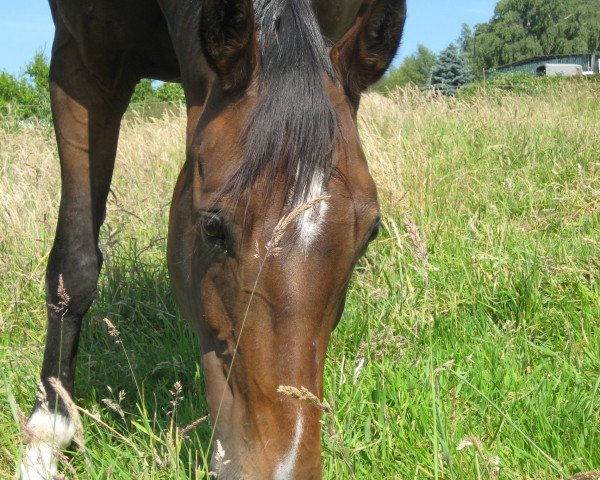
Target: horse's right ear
(365, 52)
(228, 38)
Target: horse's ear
(228, 39)
(364, 53)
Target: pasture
(470, 343)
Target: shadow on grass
(153, 351)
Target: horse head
(271, 212)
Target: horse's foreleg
(87, 117)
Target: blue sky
(26, 26)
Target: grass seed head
(56, 384)
(112, 331)
(272, 247)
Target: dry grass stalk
(112, 331)
(115, 406)
(302, 394)
(359, 364)
(491, 463)
(22, 419)
(72, 410)
(586, 475)
(219, 459)
(418, 241)
(96, 418)
(63, 298)
(176, 398)
(272, 246)
(42, 397)
(330, 425)
(184, 431)
(444, 366)
(158, 460)
(381, 343)
(67, 463)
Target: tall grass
(470, 343)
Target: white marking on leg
(47, 432)
(286, 467)
(311, 221)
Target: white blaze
(286, 467)
(48, 432)
(311, 221)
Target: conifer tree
(450, 71)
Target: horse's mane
(293, 126)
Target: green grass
(475, 315)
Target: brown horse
(271, 211)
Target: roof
(541, 58)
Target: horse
(272, 209)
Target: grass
(470, 343)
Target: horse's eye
(213, 229)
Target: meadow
(470, 343)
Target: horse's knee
(72, 278)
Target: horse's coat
(272, 89)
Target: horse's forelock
(292, 128)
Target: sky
(26, 27)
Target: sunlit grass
(470, 343)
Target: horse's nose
(280, 443)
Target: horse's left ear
(228, 39)
(364, 53)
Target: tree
(450, 71)
(466, 40)
(590, 15)
(144, 92)
(38, 71)
(147, 91)
(466, 46)
(170, 92)
(524, 28)
(27, 95)
(415, 70)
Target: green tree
(38, 71)
(590, 19)
(15, 91)
(466, 45)
(147, 91)
(450, 71)
(526, 28)
(27, 95)
(414, 70)
(144, 92)
(170, 92)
